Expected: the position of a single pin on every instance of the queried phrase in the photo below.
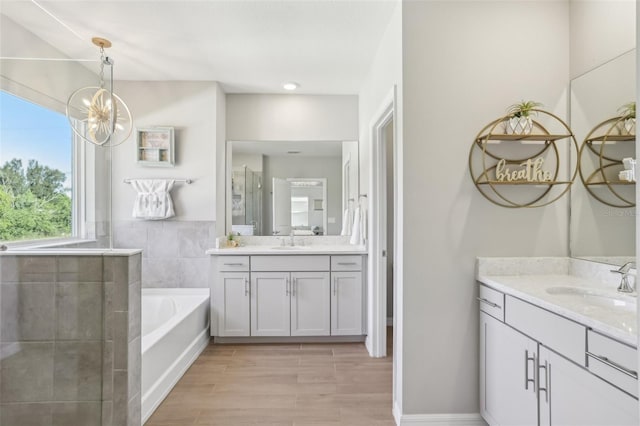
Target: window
(36, 171)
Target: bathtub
(175, 330)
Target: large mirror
(282, 188)
(602, 230)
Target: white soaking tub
(175, 330)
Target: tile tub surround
(173, 252)
(69, 335)
(521, 279)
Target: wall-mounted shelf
(600, 160)
(534, 137)
(501, 171)
(155, 147)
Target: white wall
(378, 86)
(385, 72)
(292, 117)
(600, 31)
(461, 69)
(189, 107)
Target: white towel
(359, 234)
(355, 230)
(364, 225)
(347, 221)
(153, 201)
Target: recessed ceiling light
(290, 85)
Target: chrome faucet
(293, 243)
(625, 286)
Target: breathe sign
(529, 171)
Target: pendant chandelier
(97, 115)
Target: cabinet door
(507, 370)
(346, 303)
(233, 303)
(570, 395)
(270, 304)
(310, 304)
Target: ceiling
(327, 46)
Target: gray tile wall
(173, 251)
(122, 349)
(70, 340)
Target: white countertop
(618, 323)
(71, 252)
(288, 250)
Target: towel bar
(187, 181)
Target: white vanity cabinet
(570, 395)
(290, 304)
(232, 295)
(534, 368)
(507, 374)
(287, 295)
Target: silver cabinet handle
(234, 264)
(547, 388)
(347, 263)
(293, 287)
(614, 365)
(493, 305)
(286, 287)
(527, 358)
(246, 286)
(335, 286)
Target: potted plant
(627, 123)
(231, 241)
(520, 121)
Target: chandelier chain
(102, 67)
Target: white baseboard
(473, 419)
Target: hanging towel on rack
(153, 201)
(347, 222)
(359, 234)
(355, 230)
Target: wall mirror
(598, 231)
(279, 188)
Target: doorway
(383, 248)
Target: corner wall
(461, 69)
(173, 249)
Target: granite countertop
(288, 250)
(602, 314)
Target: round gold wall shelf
(600, 160)
(523, 170)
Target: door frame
(377, 269)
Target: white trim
(472, 419)
(377, 228)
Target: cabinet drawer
(613, 361)
(232, 263)
(290, 263)
(491, 302)
(558, 333)
(346, 263)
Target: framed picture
(155, 147)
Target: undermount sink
(596, 297)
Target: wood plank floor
(282, 385)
